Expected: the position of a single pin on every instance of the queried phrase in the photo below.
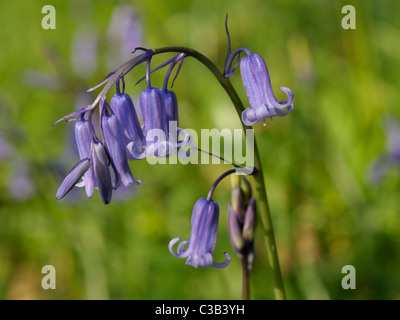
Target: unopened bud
(235, 232)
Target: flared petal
(180, 253)
(221, 265)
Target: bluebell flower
(83, 138)
(170, 133)
(199, 249)
(171, 106)
(154, 122)
(257, 85)
(122, 106)
(171, 112)
(100, 162)
(115, 142)
(93, 166)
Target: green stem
(261, 194)
(245, 279)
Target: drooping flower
(114, 139)
(257, 84)
(171, 112)
(83, 138)
(199, 249)
(93, 166)
(154, 122)
(100, 162)
(122, 106)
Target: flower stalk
(260, 189)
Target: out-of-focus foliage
(327, 212)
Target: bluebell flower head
(122, 106)
(199, 249)
(100, 162)
(257, 84)
(171, 105)
(153, 110)
(93, 166)
(83, 138)
(114, 139)
(154, 121)
(171, 111)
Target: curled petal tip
(221, 265)
(135, 154)
(290, 97)
(248, 117)
(171, 244)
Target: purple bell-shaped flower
(257, 84)
(122, 106)
(199, 249)
(114, 139)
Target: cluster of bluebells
(103, 163)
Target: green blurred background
(327, 212)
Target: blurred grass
(326, 212)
